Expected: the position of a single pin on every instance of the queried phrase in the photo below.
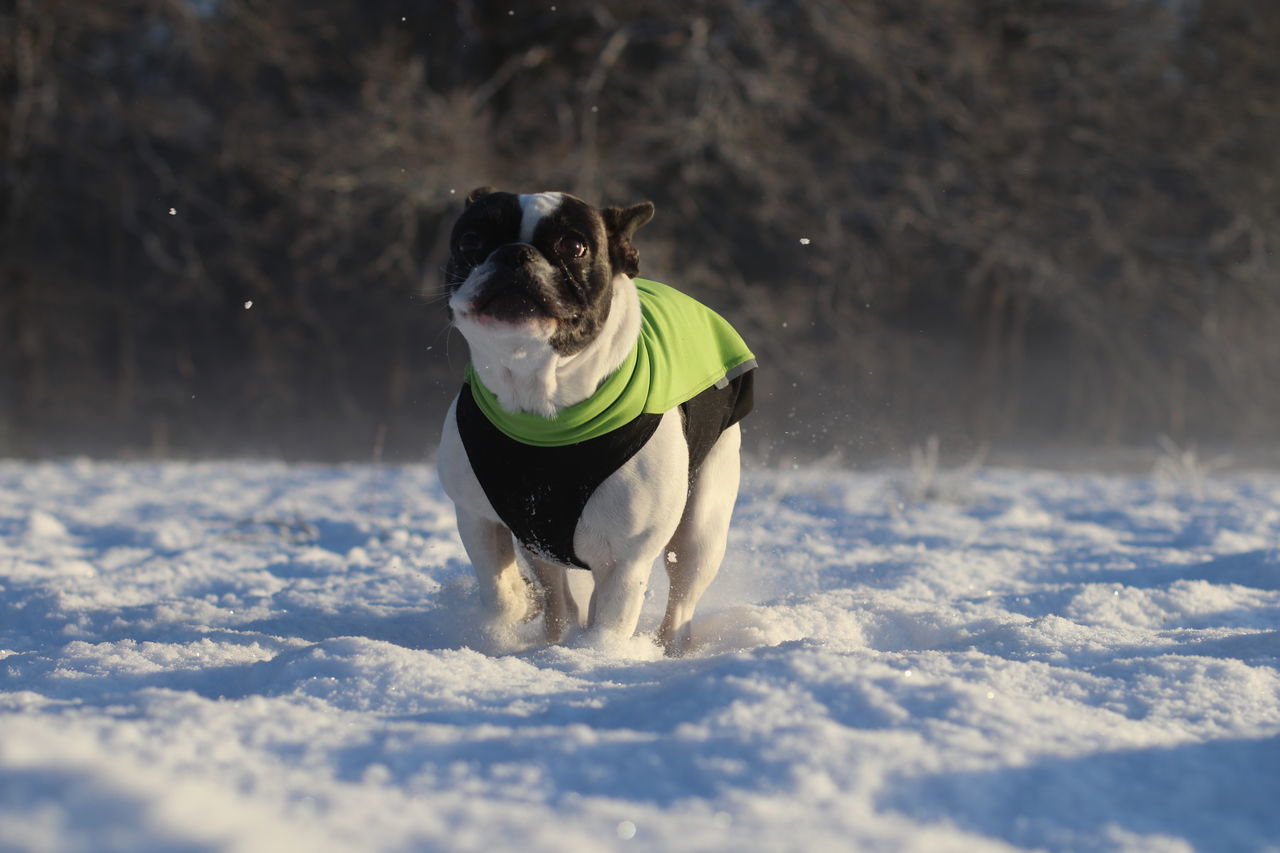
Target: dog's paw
(505, 636)
(534, 605)
(613, 644)
(677, 645)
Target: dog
(598, 425)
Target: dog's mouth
(522, 302)
(511, 304)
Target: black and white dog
(554, 446)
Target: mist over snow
(261, 657)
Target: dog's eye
(470, 245)
(571, 247)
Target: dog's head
(543, 265)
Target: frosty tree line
(222, 222)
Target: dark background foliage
(1013, 221)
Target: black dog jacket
(540, 492)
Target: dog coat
(539, 473)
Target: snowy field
(261, 657)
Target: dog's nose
(514, 255)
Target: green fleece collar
(684, 348)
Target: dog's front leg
(694, 554)
(693, 557)
(502, 589)
(616, 600)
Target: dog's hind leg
(694, 554)
(558, 607)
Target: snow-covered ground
(261, 657)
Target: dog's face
(538, 266)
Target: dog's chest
(540, 492)
(686, 365)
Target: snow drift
(255, 656)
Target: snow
(253, 656)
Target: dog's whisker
(432, 299)
(443, 332)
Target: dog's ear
(625, 221)
(622, 223)
(479, 193)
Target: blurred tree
(222, 221)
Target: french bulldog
(598, 424)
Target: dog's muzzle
(515, 288)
